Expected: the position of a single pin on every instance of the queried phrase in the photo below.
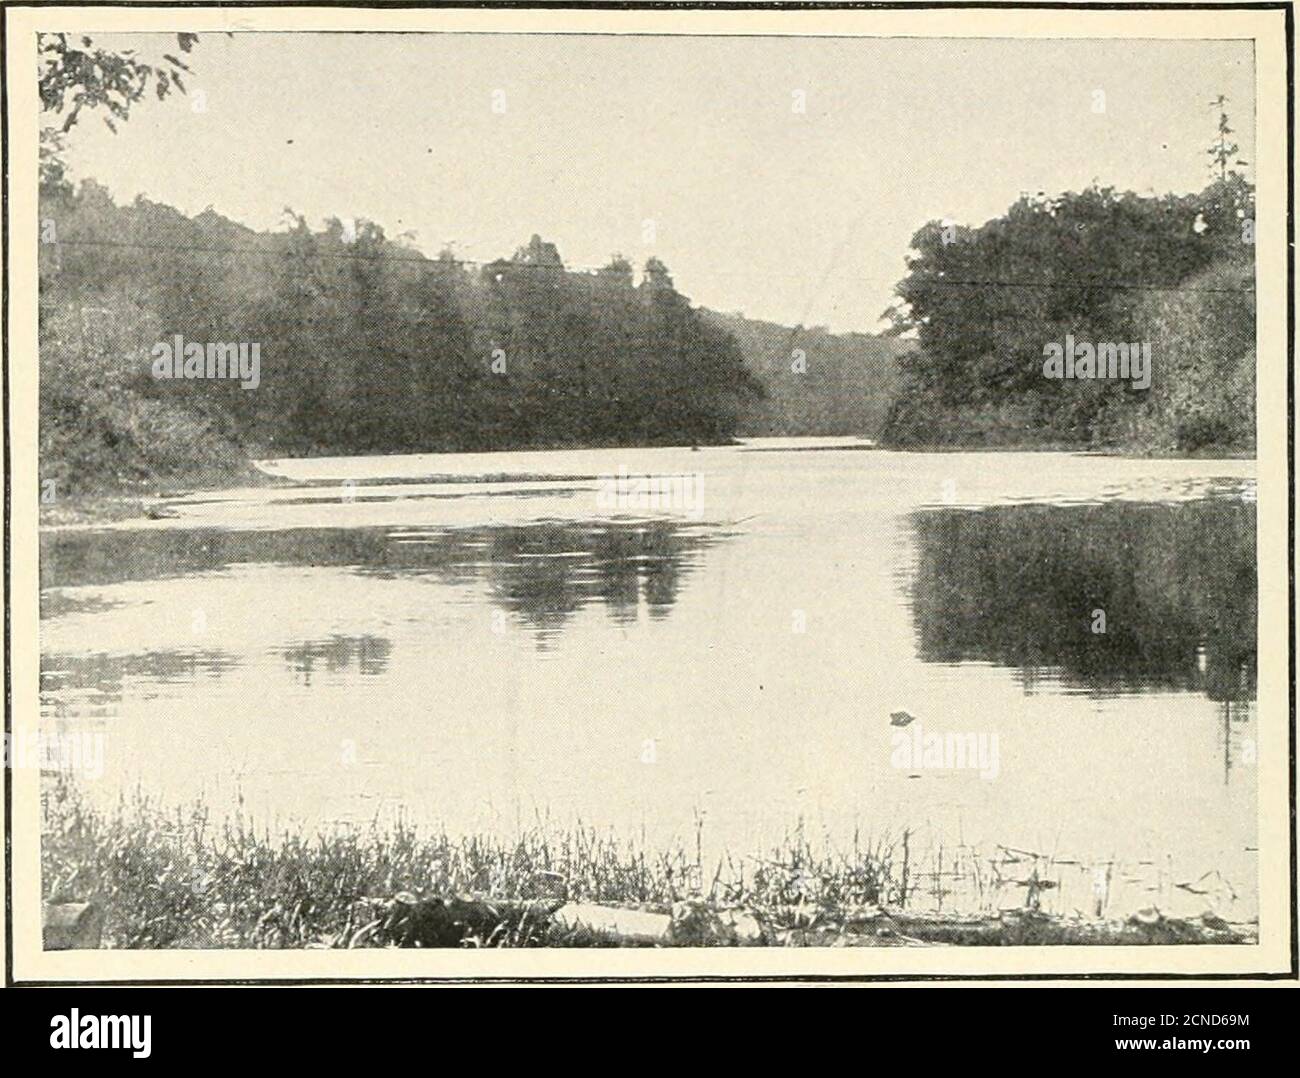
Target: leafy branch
(77, 76)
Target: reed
(177, 879)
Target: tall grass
(176, 879)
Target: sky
(778, 177)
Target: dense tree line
(366, 346)
(1103, 266)
(816, 382)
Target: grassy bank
(174, 879)
(177, 880)
(110, 501)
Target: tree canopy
(1101, 265)
(366, 345)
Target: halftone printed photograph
(627, 486)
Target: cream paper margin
(1270, 956)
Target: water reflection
(503, 667)
(1235, 732)
(542, 572)
(1021, 586)
(338, 654)
(545, 573)
(99, 678)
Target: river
(482, 641)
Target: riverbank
(1078, 448)
(113, 503)
(178, 880)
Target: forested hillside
(816, 382)
(1172, 272)
(365, 345)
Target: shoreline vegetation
(1112, 274)
(367, 346)
(160, 879)
(116, 503)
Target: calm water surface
(396, 635)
